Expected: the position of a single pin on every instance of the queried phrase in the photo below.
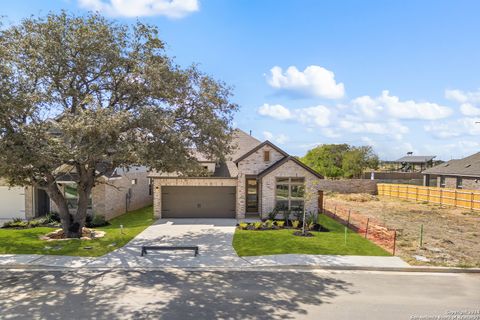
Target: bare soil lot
(451, 235)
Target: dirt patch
(451, 235)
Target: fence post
(421, 236)
(366, 229)
(394, 240)
(471, 200)
(348, 221)
(455, 197)
(335, 213)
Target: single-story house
(256, 178)
(459, 174)
(119, 191)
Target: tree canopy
(87, 94)
(341, 160)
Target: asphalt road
(300, 294)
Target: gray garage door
(198, 202)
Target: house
(118, 192)
(459, 174)
(256, 178)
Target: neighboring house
(459, 174)
(256, 178)
(118, 192)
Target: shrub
(97, 221)
(15, 223)
(269, 224)
(257, 225)
(36, 223)
(271, 215)
(311, 218)
(295, 223)
(243, 226)
(280, 224)
(311, 226)
(52, 218)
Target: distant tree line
(341, 160)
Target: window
(134, 181)
(266, 155)
(71, 196)
(442, 182)
(289, 194)
(459, 183)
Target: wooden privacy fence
(468, 199)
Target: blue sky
(398, 75)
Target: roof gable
(258, 147)
(241, 143)
(285, 160)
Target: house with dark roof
(254, 179)
(459, 174)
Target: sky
(400, 76)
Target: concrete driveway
(213, 236)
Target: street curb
(412, 269)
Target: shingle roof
(242, 143)
(416, 159)
(466, 167)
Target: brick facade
(253, 165)
(468, 183)
(289, 170)
(110, 198)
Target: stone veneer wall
(159, 182)
(349, 186)
(289, 170)
(253, 165)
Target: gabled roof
(266, 142)
(285, 160)
(416, 159)
(466, 167)
(242, 143)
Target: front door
(252, 195)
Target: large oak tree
(85, 94)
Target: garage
(198, 202)
(12, 203)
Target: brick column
(157, 199)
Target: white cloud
(316, 116)
(313, 81)
(279, 138)
(392, 106)
(469, 100)
(463, 96)
(469, 110)
(275, 111)
(390, 128)
(141, 8)
(455, 128)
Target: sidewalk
(164, 260)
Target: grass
(26, 241)
(256, 243)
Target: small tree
(85, 95)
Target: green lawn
(26, 240)
(257, 243)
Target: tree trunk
(68, 225)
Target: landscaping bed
(27, 240)
(283, 241)
(450, 235)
